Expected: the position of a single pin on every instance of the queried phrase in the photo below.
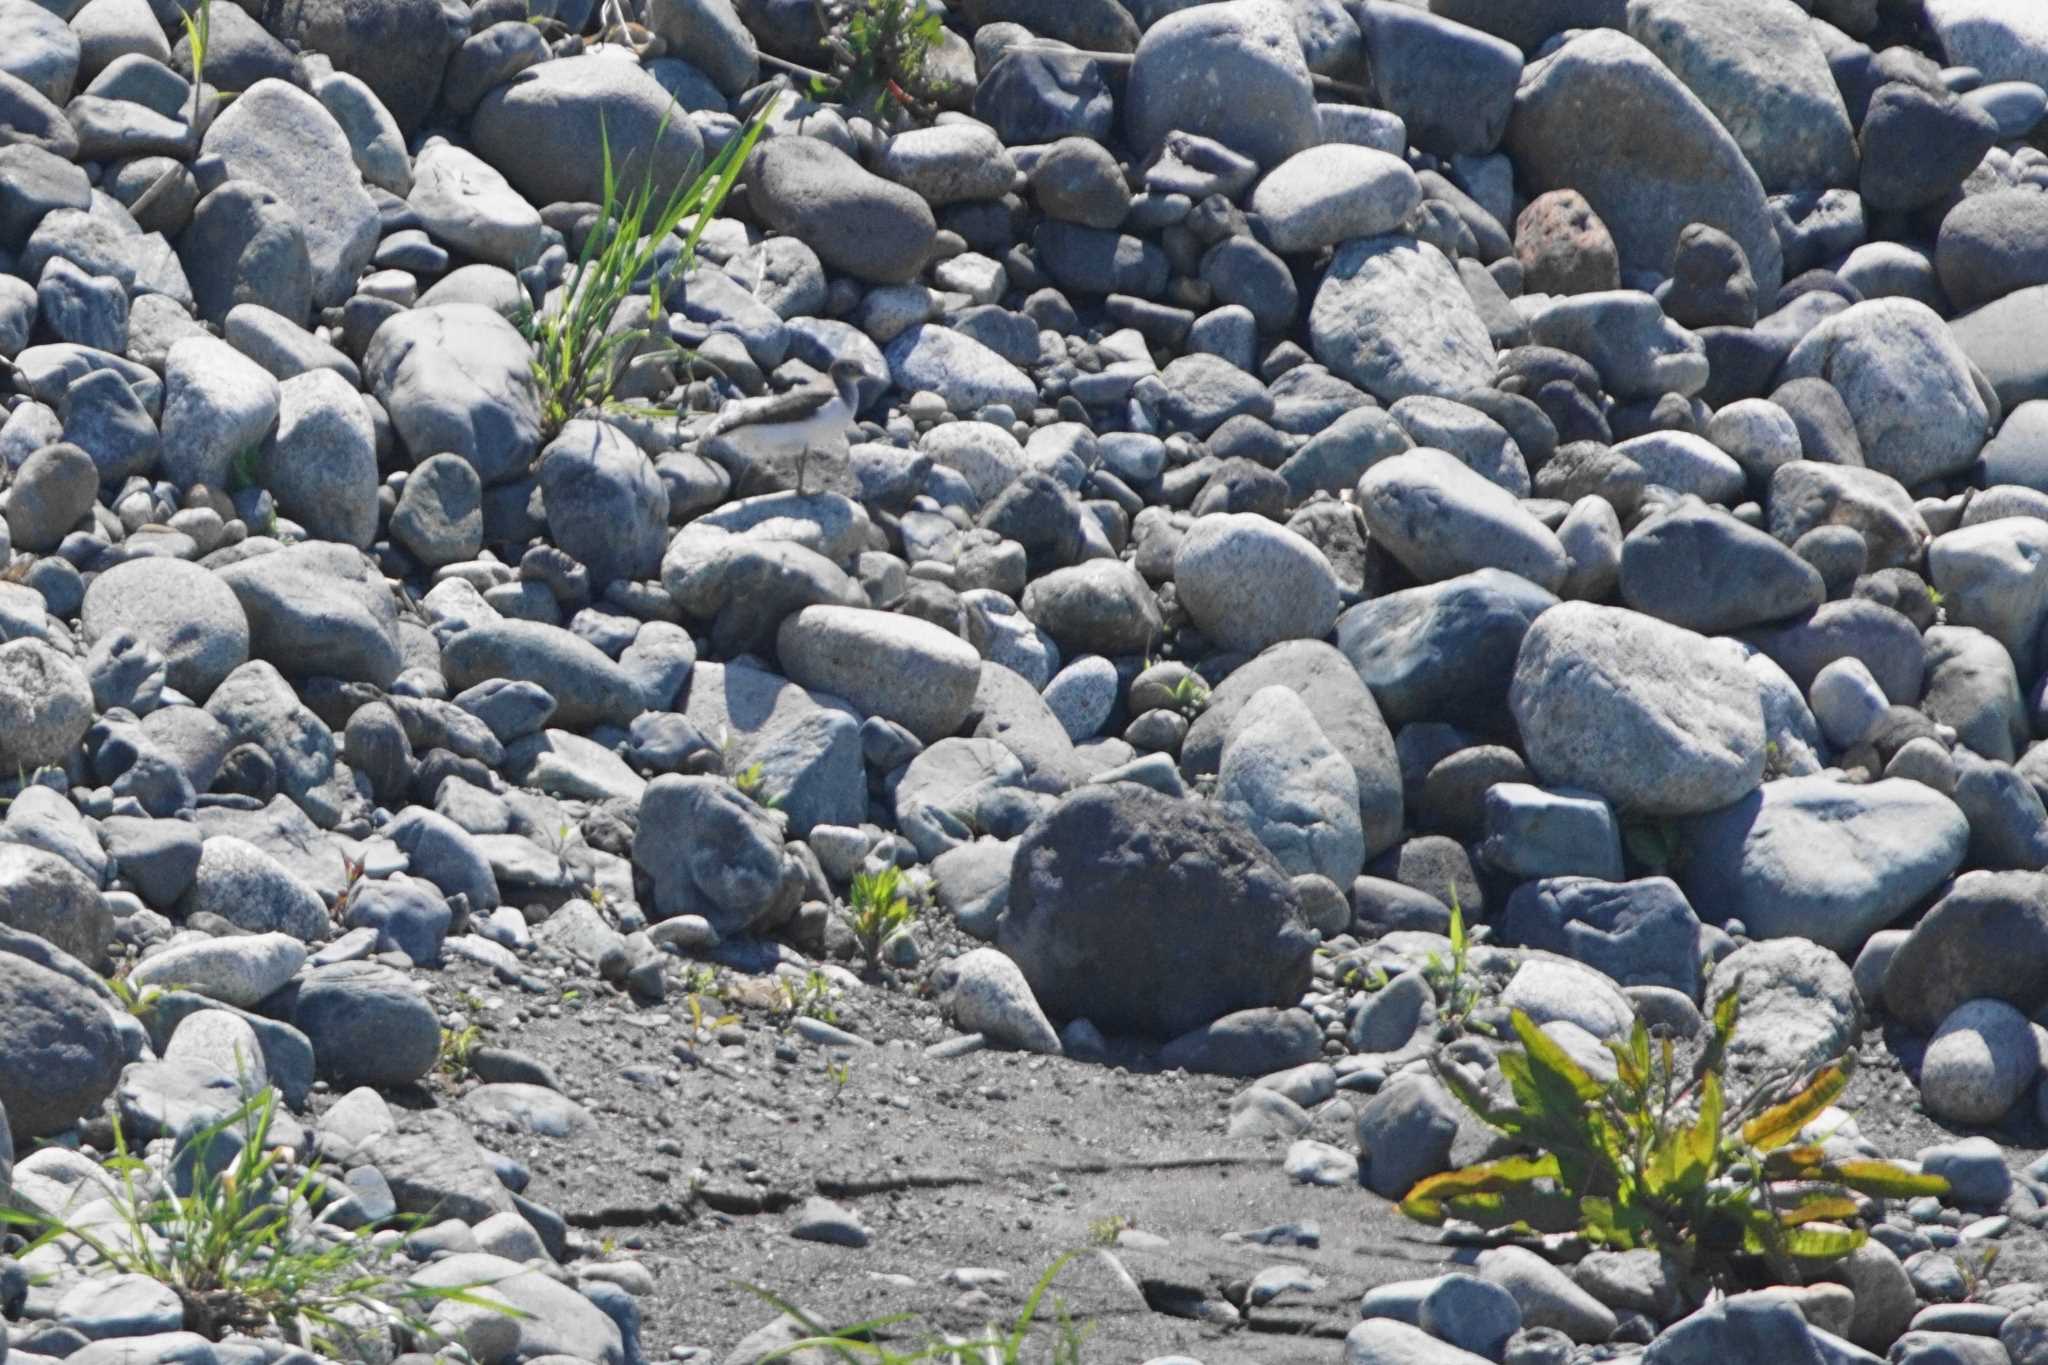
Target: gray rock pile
(1316, 466)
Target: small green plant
(1976, 1270)
(752, 781)
(245, 471)
(1654, 842)
(1190, 696)
(1455, 984)
(239, 1249)
(839, 1073)
(701, 978)
(1371, 978)
(579, 353)
(994, 1346)
(879, 908)
(878, 51)
(1658, 1158)
(458, 1051)
(352, 870)
(1104, 1231)
(810, 998)
(198, 31)
(703, 1025)
(140, 1001)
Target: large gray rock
(552, 1319)
(709, 36)
(1986, 939)
(606, 506)
(1992, 244)
(42, 894)
(1405, 1133)
(46, 706)
(1103, 606)
(250, 889)
(458, 378)
(1649, 176)
(856, 221)
(1430, 511)
(1799, 1008)
(953, 365)
(1199, 70)
(951, 787)
(368, 1024)
(1806, 494)
(466, 204)
(808, 744)
(1655, 718)
(1249, 583)
(1324, 195)
(283, 139)
(1452, 86)
(1994, 576)
(991, 996)
(894, 666)
(1445, 651)
(1387, 1341)
(239, 969)
(37, 48)
(1393, 317)
(1759, 66)
(373, 134)
(2002, 340)
(1906, 382)
(2006, 42)
(63, 1055)
(217, 404)
(546, 130)
(398, 48)
(245, 245)
(588, 688)
(949, 163)
(1284, 779)
(1343, 710)
(1978, 1063)
(321, 462)
(1696, 566)
(439, 519)
(53, 489)
(1150, 915)
(1527, 23)
(710, 851)
(1624, 333)
(1973, 688)
(1813, 858)
(319, 610)
(255, 705)
(1640, 933)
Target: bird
(799, 423)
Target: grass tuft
(231, 1231)
(862, 1341)
(879, 908)
(580, 349)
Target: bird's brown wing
(793, 406)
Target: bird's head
(846, 376)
